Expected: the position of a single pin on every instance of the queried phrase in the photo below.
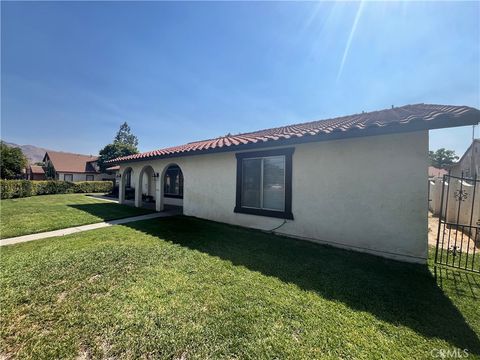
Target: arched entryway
(146, 189)
(126, 190)
(172, 182)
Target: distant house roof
(36, 169)
(436, 172)
(394, 120)
(71, 163)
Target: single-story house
(358, 182)
(469, 163)
(114, 170)
(74, 167)
(35, 172)
(434, 172)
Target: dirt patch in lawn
(432, 236)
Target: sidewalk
(76, 229)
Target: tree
(12, 161)
(124, 144)
(49, 171)
(125, 136)
(442, 157)
(112, 151)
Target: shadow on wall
(399, 293)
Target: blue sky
(178, 72)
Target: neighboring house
(358, 182)
(35, 172)
(434, 172)
(114, 170)
(74, 167)
(469, 163)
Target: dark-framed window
(264, 183)
(173, 182)
(68, 177)
(89, 177)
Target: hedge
(23, 188)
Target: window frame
(65, 175)
(92, 177)
(287, 212)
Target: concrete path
(76, 229)
(103, 197)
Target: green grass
(51, 212)
(193, 289)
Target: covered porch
(156, 189)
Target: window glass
(68, 177)
(264, 183)
(251, 182)
(274, 183)
(89, 177)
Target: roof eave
(471, 117)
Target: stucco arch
(171, 199)
(128, 171)
(145, 185)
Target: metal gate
(458, 237)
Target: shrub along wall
(23, 188)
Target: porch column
(159, 192)
(121, 190)
(138, 189)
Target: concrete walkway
(76, 229)
(103, 197)
(145, 205)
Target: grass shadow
(464, 284)
(110, 210)
(399, 293)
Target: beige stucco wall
(83, 177)
(367, 194)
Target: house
(434, 172)
(35, 172)
(113, 170)
(357, 182)
(469, 163)
(73, 167)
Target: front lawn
(51, 212)
(181, 288)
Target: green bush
(23, 188)
(16, 188)
(93, 186)
(53, 187)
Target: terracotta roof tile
(397, 119)
(436, 172)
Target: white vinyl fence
(461, 203)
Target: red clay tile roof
(398, 119)
(436, 172)
(36, 169)
(71, 163)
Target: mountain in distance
(33, 153)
